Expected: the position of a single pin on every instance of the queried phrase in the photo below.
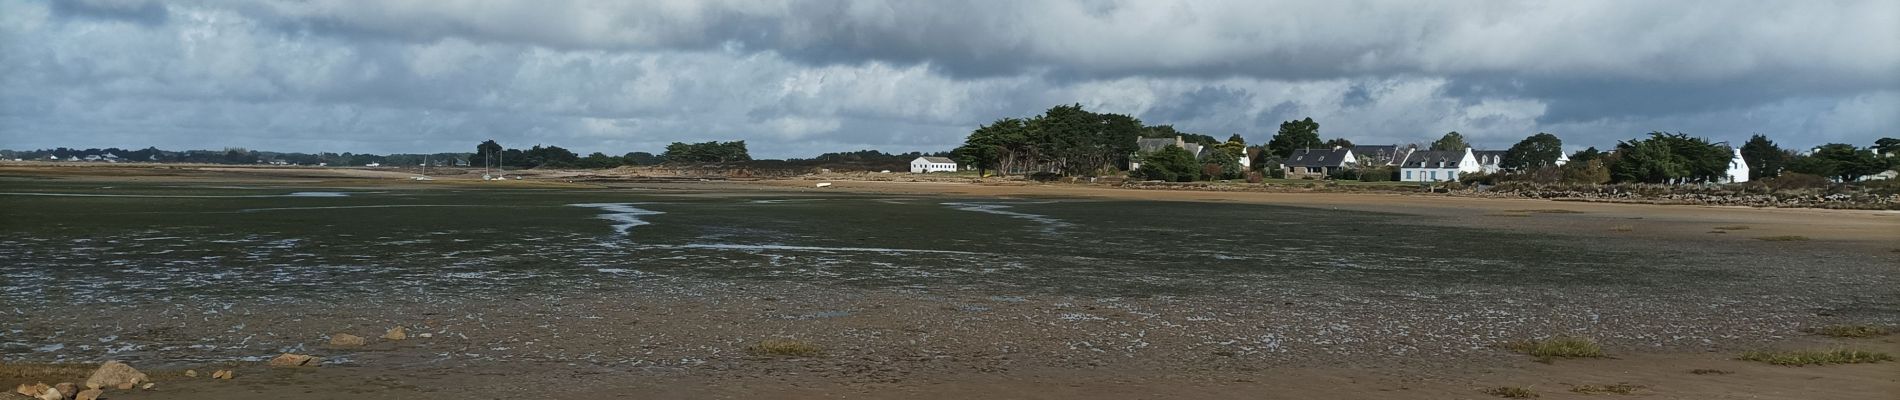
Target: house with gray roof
(1318, 163)
(1438, 166)
(932, 164)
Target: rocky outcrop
(295, 360)
(396, 333)
(347, 340)
(115, 374)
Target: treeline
(231, 156)
(1065, 140)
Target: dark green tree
(706, 152)
(1337, 142)
(1171, 163)
(1586, 155)
(1294, 135)
(485, 153)
(1765, 159)
(1646, 161)
(1537, 150)
(1221, 165)
(1844, 162)
(639, 158)
(598, 160)
(1887, 146)
(1452, 141)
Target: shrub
(1379, 174)
(1558, 347)
(1344, 174)
(1510, 392)
(1816, 357)
(1621, 388)
(1796, 181)
(784, 348)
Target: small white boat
(824, 184)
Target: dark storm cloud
(798, 76)
(148, 13)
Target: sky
(799, 78)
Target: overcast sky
(799, 78)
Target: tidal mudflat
(894, 289)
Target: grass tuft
(1558, 347)
(1783, 238)
(1850, 331)
(1620, 388)
(1708, 371)
(1732, 228)
(1816, 357)
(1511, 392)
(785, 348)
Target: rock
(295, 360)
(396, 333)
(223, 374)
(127, 386)
(114, 373)
(425, 335)
(67, 388)
(89, 394)
(32, 390)
(51, 394)
(147, 386)
(191, 373)
(347, 340)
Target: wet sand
(898, 344)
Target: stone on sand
(295, 360)
(67, 388)
(114, 373)
(223, 374)
(347, 340)
(31, 391)
(191, 373)
(396, 333)
(51, 394)
(89, 394)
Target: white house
(932, 164)
(1437, 166)
(1737, 168)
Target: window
(1408, 175)
(1434, 175)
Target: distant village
(1068, 141)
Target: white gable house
(1437, 166)
(1737, 168)
(932, 164)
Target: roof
(1490, 157)
(936, 160)
(1150, 145)
(1432, 159)
(1385, 154)
(1317, 157)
